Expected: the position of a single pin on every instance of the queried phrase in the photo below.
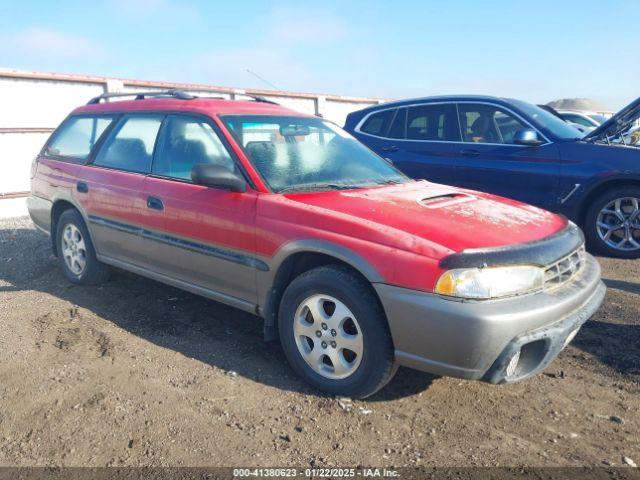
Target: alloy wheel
(74, 250)
(618, 224)
(328, 336)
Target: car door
(113, 183)
(489, 160)
(208, 234)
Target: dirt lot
(138, 373)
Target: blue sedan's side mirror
(527, 137)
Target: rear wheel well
(599, 190)
(293, 266)
(58, 209)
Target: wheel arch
(59, 206)
(599, 189)
(296, 258)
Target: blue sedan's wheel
(613, 223)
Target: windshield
(304, 154)
(555, 125)
(598, 118)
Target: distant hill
(579, 104)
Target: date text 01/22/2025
(315, 472)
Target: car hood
(450, 217)
(620, 122)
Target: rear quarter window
(77, 136)
(378, 123)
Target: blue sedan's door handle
(390, 148)
(469, 153)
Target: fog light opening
(513, 364)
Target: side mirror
(527, 137)
(218, 177)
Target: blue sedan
(518, 150)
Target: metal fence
(32, 104)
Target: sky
(537, 51)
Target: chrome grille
(564, 269)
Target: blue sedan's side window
(399, 125)
(482, 123)
(433, 122)
(378, 123)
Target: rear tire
(76, 255)
(335, 334)
(612, 223)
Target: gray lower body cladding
(40, 212)
(476, 339)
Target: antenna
(262, 79)
(262, 99)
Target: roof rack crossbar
(173, 93)
(258, 98)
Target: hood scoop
(445, 200)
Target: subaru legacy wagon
(352, 265)
(518, 150)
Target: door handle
(155, 203)
(469, 153)
(390, 148)
(82, 187)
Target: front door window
(482, 123)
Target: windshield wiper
(389, 182)
(317, 186)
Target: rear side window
(130, 145)
(433, 122)
(378, 123)
(77, 136)
(185, 142)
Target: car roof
(439, 98)
(207, 106)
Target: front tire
(76, 255)
(612, 223)
(335, 334)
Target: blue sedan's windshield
(555, 125)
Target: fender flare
(68, 198)
(610, 181)
(269, 291)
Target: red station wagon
(353, 266)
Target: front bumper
(477, 339)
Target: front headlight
(490, 282)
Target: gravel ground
(136, 373)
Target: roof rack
(173, 93)
(258, 98)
